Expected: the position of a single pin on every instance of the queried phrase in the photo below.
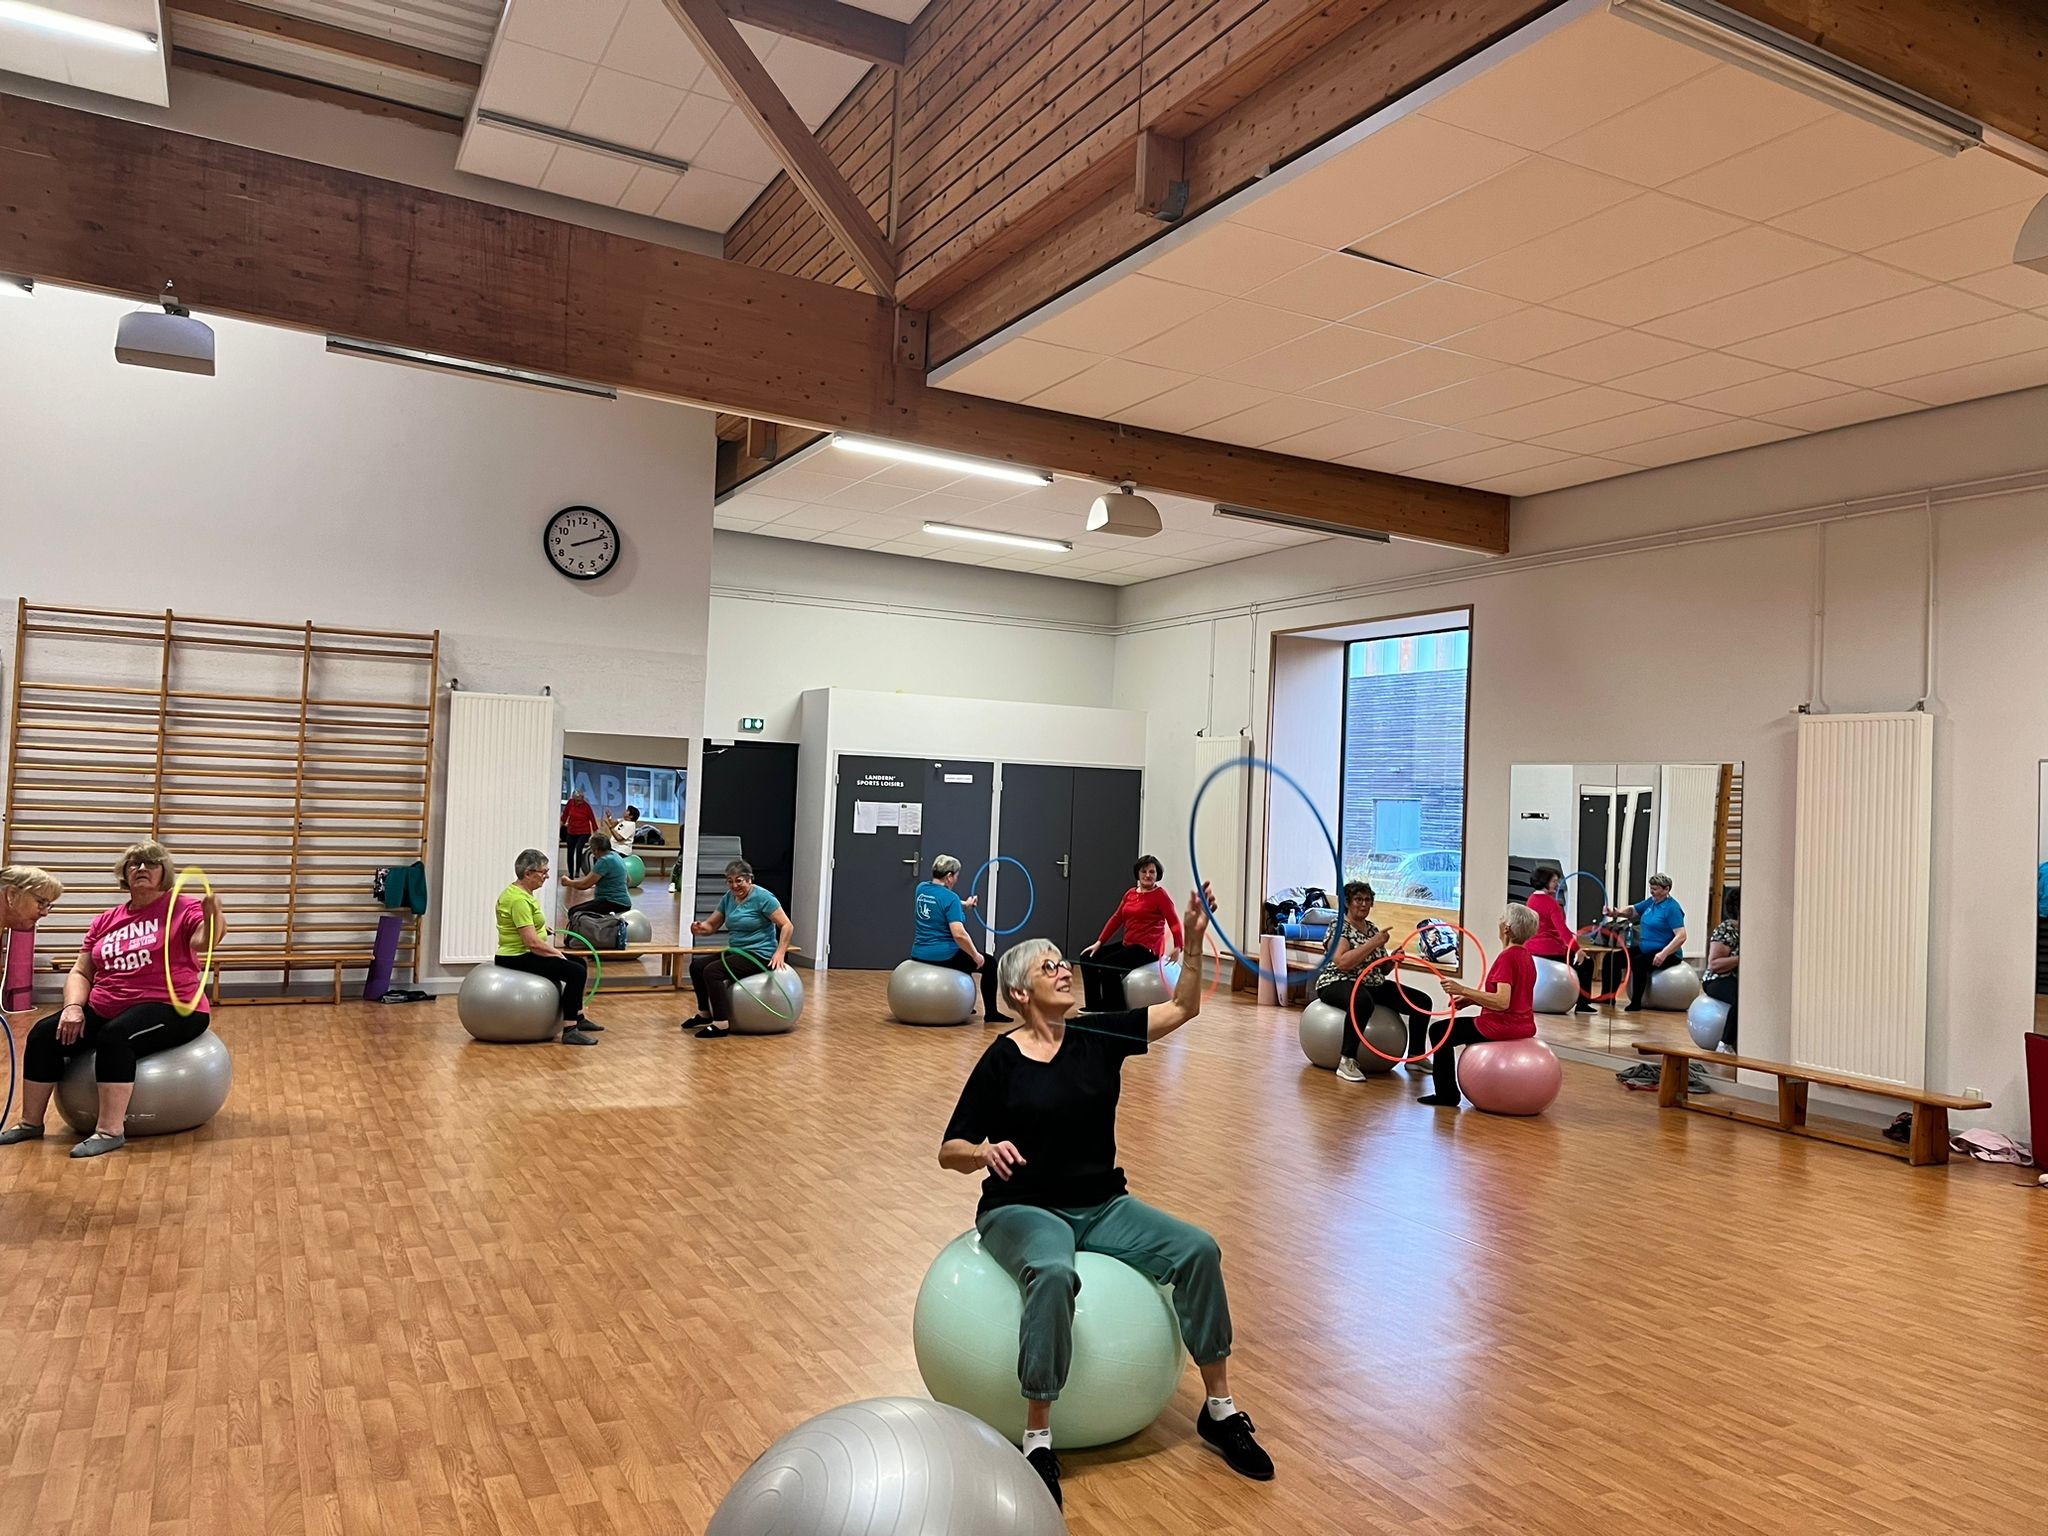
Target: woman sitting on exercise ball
(136, 957)
(1660, 937)
(1358, 943)
(524, 944)
(759, 932)
(1506, 1003)
(942, 937)
(1723, 981)
(1146, 917)
(1038, 1116)
(606, 881)
(1554, 938)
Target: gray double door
(1074, 829)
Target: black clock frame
(618, 542)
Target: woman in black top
(1038, 1116)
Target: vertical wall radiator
(504, 795)
(1864, 846)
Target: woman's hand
(70, 1025)
(1092, 948)
(969, 903)
(700, 926)
(1174, 958)
(1001, 1158)
(1195, 921)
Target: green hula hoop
(725, 958)
(571, 933)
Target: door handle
(912, 862)
(1063, 861)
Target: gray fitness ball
(1144, 986)
(175, 1090)
(920, 993)
(508, 1007)
(891, 1466)
(1557, 986)
(638, 929)
(1673, 988)
(1706, 1021)
(1322, 1037)
(767, 1002)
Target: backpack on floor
(604, 930)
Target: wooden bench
(674, 974)
(338, 960)
(1929, 1141)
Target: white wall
(1307, 742)
(295, 485)
(1546, 795)
(1726, 559)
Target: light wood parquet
(411, 1284)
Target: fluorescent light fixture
(412, 358)
(990, 536)
(86, 30)
(12, 287)
(874, 448)
(535, 130)
(1737, 39)
(1305, 524)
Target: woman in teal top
(757, 929)
(941, 936)
(1660, 937)
(607, 875)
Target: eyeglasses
(1054, 967)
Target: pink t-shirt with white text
(127, 949)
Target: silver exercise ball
(891, 1466)
(508, 1007)
(1386, 1031)
(175, 1090)
(1557, 986)
(1322, 1034)
(637, 929)
(767, 1003)
(1706, 1021)
(1145, 987)
(922, 993)
(1673, 988)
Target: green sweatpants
(1037, 1246)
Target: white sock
(1037, 1439)
(1222, 1407)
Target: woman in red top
(1554, 938)
(578, 822)
(1504, 1003)
(1145, 916)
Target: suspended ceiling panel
(138, 75)
(623, 72)
(1608, 252)
(281, 55)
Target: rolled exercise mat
(378, 982)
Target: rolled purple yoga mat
(378, 982)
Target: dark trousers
(579, 856)
(565, 971)
(1443, 1067)
(1724, 989)
(713, 976)
(600, 906)
(991, 1005)
(1642, 963)
(1102, 974)
(1595, 973)
(1402, 1001)
(133, 1032)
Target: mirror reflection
(622, 803)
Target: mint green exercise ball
(1127, 1351)
(636, 870)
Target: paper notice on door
(886, 812)
(959, 778)
(910, 820)
(864, 820)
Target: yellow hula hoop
(185, 1009)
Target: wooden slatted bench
(675, 974)
(338, 960)
(1928, 1143)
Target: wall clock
(581, 542)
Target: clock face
(582, 542)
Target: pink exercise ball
(1510, 1077)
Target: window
(611, 787)
(1403, 822)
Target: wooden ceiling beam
(119, 206)
(317, 35)
(843, 28)
(747, 79)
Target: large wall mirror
(603, 777)
(1595, 836)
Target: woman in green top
(760, 931)
(523, 944)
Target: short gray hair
(739, 867)
(945, 864)
(528, 861)
(1520, 922)
(27, 878)
(1013, 971)
(1660, 878)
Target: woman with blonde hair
(26, 893)
(136, 957)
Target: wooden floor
(408, 1283)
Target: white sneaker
(1348, 1070)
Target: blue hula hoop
(1587, 874)
(1202, 887)
(1030, 894)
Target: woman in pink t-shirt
(1506, 1009)
(117, 1001)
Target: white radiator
(1865, 820)
(504, 795)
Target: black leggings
(958, 961)
(579, 855)
(1642, 965)
(1391, 995)
(1443, 1067)
(565, 971)
(713, 978)
(1102, 974)
(142, 1030)
(1724, 989)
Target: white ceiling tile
(1614, 240)
(648, 190)
(1814, 294)
(1315, 358)
(1233, 330)
(708, 200)
(1018, 369)
(1434, 311)
(1703, 442)
(1569, 81)
(1945, 191)
(1230, 259)
(1691, 126)
(1920, 313)
(1804, 166)
(869, 496)
(819, 519)
(1604, 437)
(753, 507)
(1773, 392)
(1530, 198)
(651, 43)
(624, 109)
(585, 174)
(1335, 286)
(2025, 370)
(1966, 346)
(1112, 385)
(577, 29)
(1410, 374)
(541, 87)
(814, 80)
(1471, 468)
(1501, 390)
(2017, 286)
(1193, 405)
(1962, 248)
(1416, 453)
(1527, 334)
(1559, 413)
(1130, 310)
(1690, 376)
(1353, 432)
(1728, 265)
(1263, 424)
(1611, 356)
(735, 149)
(1554, 477)
(696, 118)
(503, 155)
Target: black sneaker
(714, 1031)
(589, 1024)
(1233, 1437)
(1047, 1466)
(577, 1037)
